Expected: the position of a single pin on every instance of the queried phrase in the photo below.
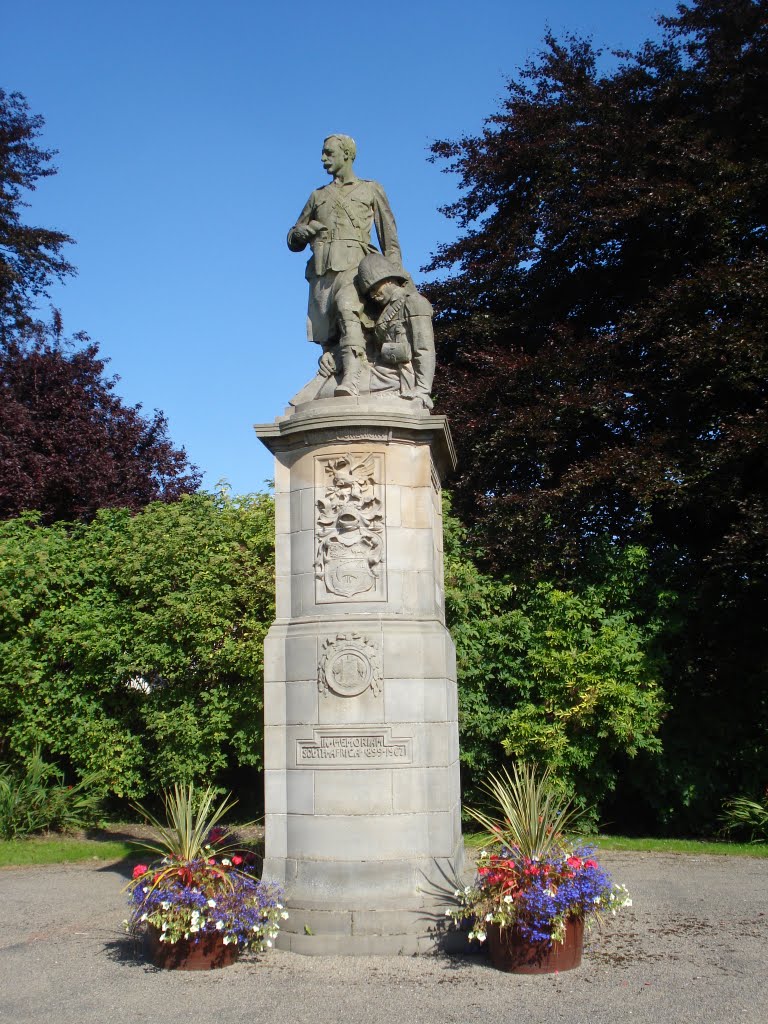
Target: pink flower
(237, 860)
(590, 864)
(139, 870)
(574, 862)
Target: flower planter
(511, 951)
(208, 954)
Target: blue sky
(189, 137)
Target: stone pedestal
(361, 740)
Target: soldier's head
(378, 278)
(338, 151)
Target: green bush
(36, 799)
(744, 817)
(132, 646)
(565, 678)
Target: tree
(69, 446)
(30, 257)
(602, 321)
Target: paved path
(693, 947)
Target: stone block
(274, 657)
(274, 746)
(390, 922)
(302, 552)
(414, 653)
(423, 789)
(276, 839)
(283, 606)
(300, 792)
(301, 700)
(319, 922)
(357, 837)
(283, 502)
(336, 710)
(442, 833)
(436, 744)
(416, 507)
(357, 884)
(274, 703)
(416, 700)
(410, 550)
(301, 656)
(354, 792)
(308, 509)
(275, 797)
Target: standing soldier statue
(336, 222)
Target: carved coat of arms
(350, 527)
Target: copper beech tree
(602, 319)
(68, 444)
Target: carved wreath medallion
(349, 665)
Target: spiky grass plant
(744, 816)
(533, 812)
(191, 815)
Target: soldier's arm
(301, 233)
(386, 229)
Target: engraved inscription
(349, 528)
(354, 748)
(349, 665)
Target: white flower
(219, 925)
(226, 862)
(164, 926)
(480, 936)
(483, 853)
(507, 898)
(211, 903)
(448, 913)
(467, 889)
(457, 892)
(145, 888)
(279, 906)
(227, 940)
(269, 942)
(165, 904)
(144, 917)
(285, 915)
(489, 917)
(194, 927)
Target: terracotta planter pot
(206, 955)
(510, 951)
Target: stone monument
(363, 822)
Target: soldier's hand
(326, 364)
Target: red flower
(591, 864)
(574, 862)
(236, 860)
(185, 874)
(139, 870)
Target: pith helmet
(375, 268)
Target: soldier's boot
(352, 349)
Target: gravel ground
(692, 948)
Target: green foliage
(566, 678)
(132, 645)
(190, 816)
(531, 813)
(744, 816)
(37, 799)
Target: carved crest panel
(349, 528)
(349, 665)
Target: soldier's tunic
(347, 212)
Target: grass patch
(649, 845)
(722, 849)
(61, 850)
